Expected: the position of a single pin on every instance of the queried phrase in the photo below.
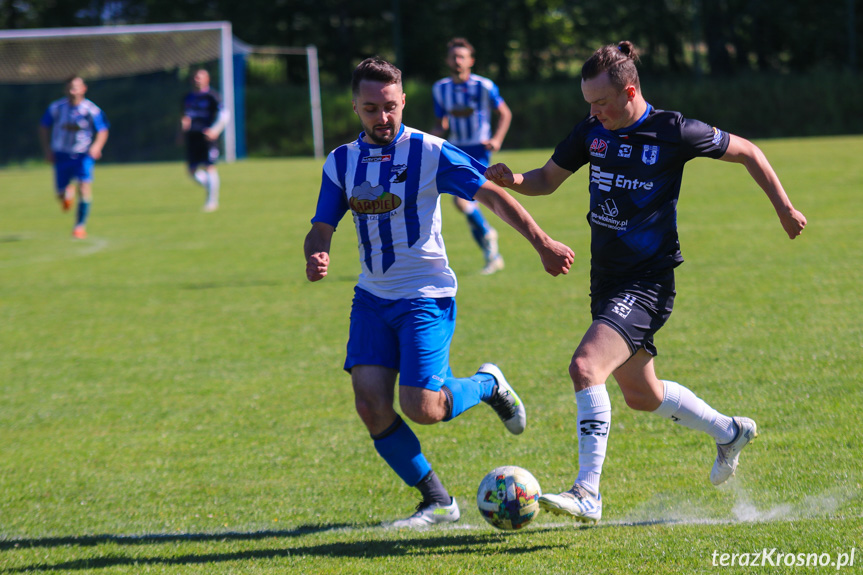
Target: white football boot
(505, 401)
(727, 455)
(493, 259)
(430, 514)
(578, 503)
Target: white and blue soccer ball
(508, 497)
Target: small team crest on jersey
(717, 136)
(376, 159)
(399, 173)
(650, 154)
(598, 148)
(368, 199)
(625, 151)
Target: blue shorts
(410, 335)
(636, 309)
(68, 167)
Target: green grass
(173, 399)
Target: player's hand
(492, 145)
(186, 123)
(95, 153)
(316, 267)
(556, 257)
(793, 222)
(501, 175)
(211, 134)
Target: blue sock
(478, 226)
(466, 392)
(400, 448)
(83, 212)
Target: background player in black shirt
(203, 120)
(636, 155)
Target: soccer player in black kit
(636, 155)
(203, 120)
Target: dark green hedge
(278, 120)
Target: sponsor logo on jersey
(609, 208)
(650, 154)
(625, 151)
(598, 148)
(367, 199)
(605, 180)
(376, 159)
(717, 136)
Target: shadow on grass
(451, 543)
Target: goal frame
(228, 47)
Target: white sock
(200, 176)
(594, 419)
(687, 409)
(212, 187)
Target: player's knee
(372, 411)
(582, 372)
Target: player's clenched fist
(316, 267)
(500, 174)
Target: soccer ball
(508, 497)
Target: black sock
(433, 490)
(447, 392)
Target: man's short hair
(460, 43)
(377, 70)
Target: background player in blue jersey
(203, 120)
(464, 104)
(73, 132)
(636, 155)
(403, 313)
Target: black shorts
(200, 150)
(635, 308)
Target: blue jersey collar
(637, 123)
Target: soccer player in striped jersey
(636, 155)
(73, 132)
(464, 104)
(203, 120)
(403, 313)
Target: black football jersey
(635, 177)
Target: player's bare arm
(503, 122)
(539, 182)
(317, 250)
(556, 257)
(441, 127)
(742, 151)
(99, 141)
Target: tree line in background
(516, 40)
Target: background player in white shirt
(464, 104)
(73, 132)
(403, 313)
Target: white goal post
(50, 55)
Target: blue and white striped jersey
(73, 127)
(469, 106)
(394, 195)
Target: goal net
(137, 74)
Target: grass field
(173, 399)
